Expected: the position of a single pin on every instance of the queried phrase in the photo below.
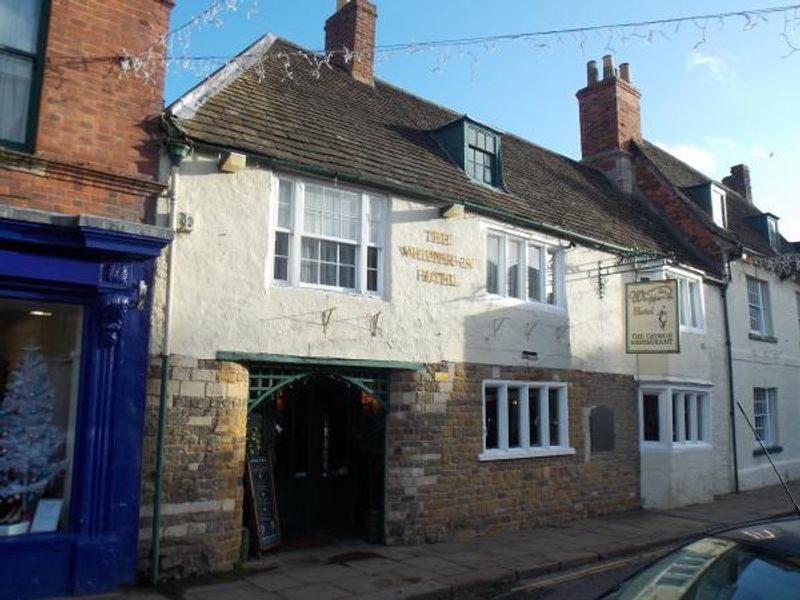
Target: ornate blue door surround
(106, 267)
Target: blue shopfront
(74, 320)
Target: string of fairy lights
(173, 49)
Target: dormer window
(718, 211)
(475, 148)
(772, 233)
(481, 164)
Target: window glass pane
(329, 251)
(347, 254)
(19, 24)
(347, 277)
(760, 413)
(755, 303)
(310, 249)
(281, 270)
(553, 396)
(677, 412)
(550, 277)
(312, 215)
(377, 217)
(513, 417)
(534, 273)
(696, 304)
(16, 76)
(372, 269)
(687, 416)
(285, 191)
(327, 274)
(40, 359)
(512, 269)
(650, 417)
(493, 243)
(533, 416)
(701, 432)
(490, 406)
(309, 265)
(683, 298)
(471, 136)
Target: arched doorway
(324, 433)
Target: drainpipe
(177, 151)
(729, 352)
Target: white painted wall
(765, 364)
(225, 303)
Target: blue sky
(734, 99)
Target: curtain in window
(16, 76)
(19, 26)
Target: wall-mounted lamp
(232, 162)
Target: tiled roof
(682, 177)
(383, 134)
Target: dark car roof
(779, 536)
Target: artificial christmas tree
(31, 446)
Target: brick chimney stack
(352, 27)
(739, 181)
(609, 111)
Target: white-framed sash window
(758, 306)
(525, 269)
(327, 236)
(765, 415)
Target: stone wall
(204, 453)
(437, 489)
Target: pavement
(477, 568)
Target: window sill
(491, 455)
(284, 285)
(526, 304)
(771, 449)
(760, 337)
(694, 330)
(674, 448)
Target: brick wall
(676, 209)
(609, 116)
(204, 453)
(97, 141)
(353, 27)
(438, 490)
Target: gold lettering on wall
(437, 257)
(448, 279)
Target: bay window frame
(296, 234)
(507, 240)
(530, 393)
(679, 405)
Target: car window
(714, 569)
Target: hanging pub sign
(651, 317)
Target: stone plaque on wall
(601, 429)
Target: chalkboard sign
(261, 489)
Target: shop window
(328, 237)
(524, 419)
(39, 371)
(765, 415)
(21, 58)
(675, 417)
(522, 269)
